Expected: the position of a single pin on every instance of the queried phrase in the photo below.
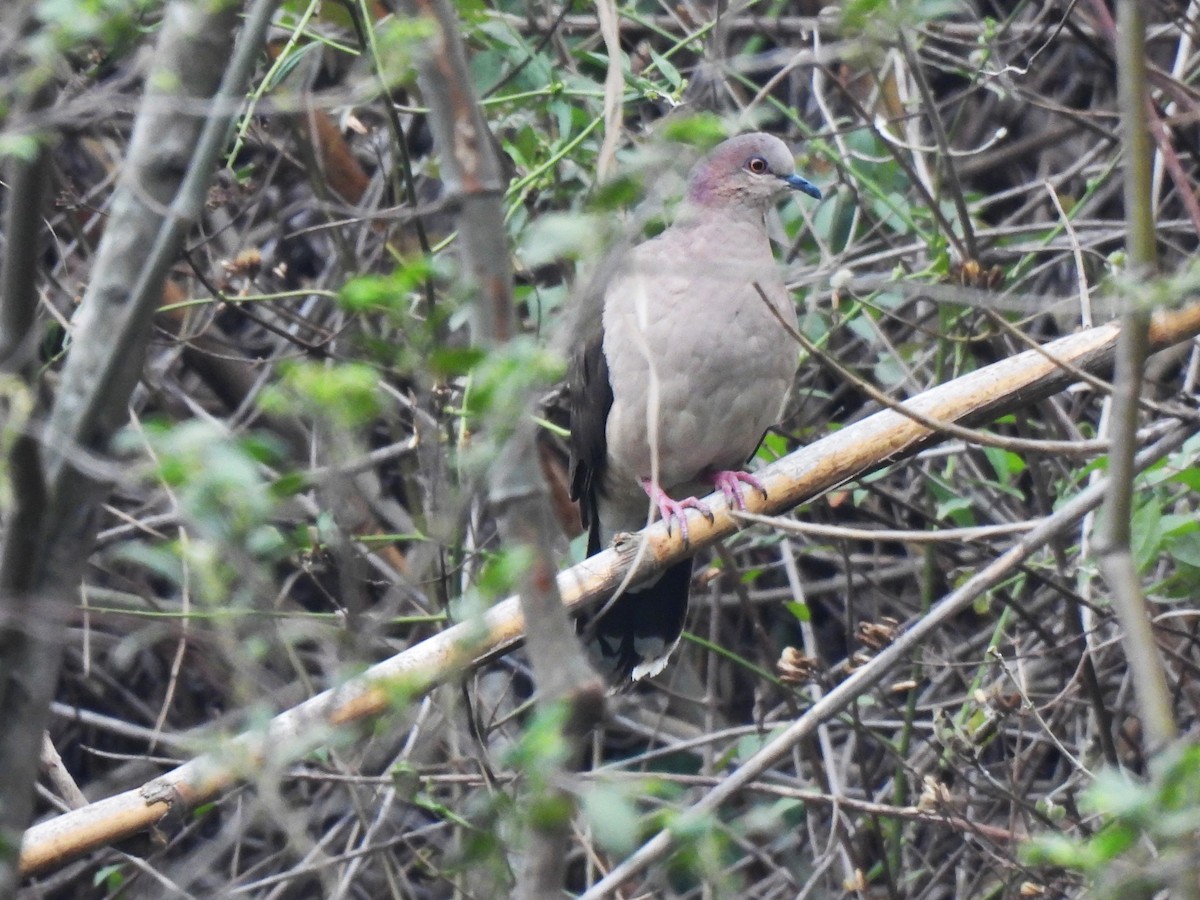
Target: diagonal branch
(797, 478)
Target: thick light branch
(859, 448)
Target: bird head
(751, 170)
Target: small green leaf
(110, 876)
(347, 394)
(450, 362)
(1186, 549)
(288, 485)
(669, 71)
(1006, 464)
(1053, 850)
(702, 130)
(1111, 843)
(617, 192)
(19, 146)
(774, 446)
(799, 610)
(1146, 533)
(613, 817)
(372, 293)
(502, 571)
(948, 508)
(1189, 477)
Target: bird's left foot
(730, 484)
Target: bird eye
(757, 165)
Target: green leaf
(1189, 477)
(388, 293)
(19, 146)
(799, 610)
(1006, 464)
(613, 817)
(503, 570)
(1110, 843)
(947, 509)
(450, 362)
(1146, 533)
(774, 446)
(347, 394)
(549, 810)
(702, 130)
(1186, 549)
(1054, 850)
(619, 191)
(110, 876)
(669, 71)
(288, 485)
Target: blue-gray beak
(796, 183)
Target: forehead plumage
(736, 151)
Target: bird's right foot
(669, 509)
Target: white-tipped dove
(673, 395)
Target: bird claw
(729, 482)
(669, 509)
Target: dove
(670, 396)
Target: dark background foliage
(297, 492)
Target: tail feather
(633, 638)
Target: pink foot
(730, 484)
(669, 509)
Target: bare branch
(1113, 530)
(799, 477)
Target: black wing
(589, 399)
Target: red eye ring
(757, 165)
